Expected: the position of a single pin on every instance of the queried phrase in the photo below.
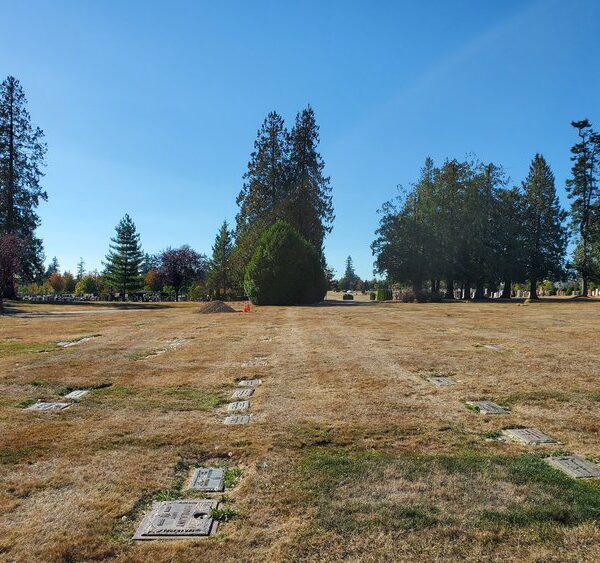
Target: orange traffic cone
(247, 308)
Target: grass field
(351, 453)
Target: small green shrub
(372, 296)
(285, 269)
(384, 294)
(348, 297)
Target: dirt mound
(216, 307)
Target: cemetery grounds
(350, 453)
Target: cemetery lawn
(351, 454)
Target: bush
(372, 296)
(284, 270)
(348, 296)
(384, 294)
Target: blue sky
(151, 108)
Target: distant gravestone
(487, 407)
(178, 519)
(250, 382)
(208, 480)
(528, 436)
(256, 363)
(496, 347)
(574, 466)
(242, 393)
(442, 381)
(237, 419)
(49, 407)
(77, 394)
(238, 406)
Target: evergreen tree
(124, 259)
(584, 191)
(80, 269)
(544, 235)
(309, 207)
(22, 152)
(265, 181)
(219, 279)
(349, 279)
(53, 267)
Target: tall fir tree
(220, 276)
(53, 267)
(265, 181)
(544, 235)
(22, 154)
(124, 259)
(80, 269)
(309, 204)
(584, 191)
(349, 279)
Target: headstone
(256, 363)
(77, 394)
(177, 519)
(442, 381)
(49, 407)
(208, 480)
(574, 466)
(487, 407)
(237, 419)
(238, 406)
(528, 436)
(496, 347)
(250, 382)
(242, 393)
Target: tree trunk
(479, 291)
(507, 291)
(533, 289)
(584, 286)
(449, 289)
(467, 291)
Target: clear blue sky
(151, 108)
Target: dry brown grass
(351, 454)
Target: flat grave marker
(238, 406)
(574, 466)
(249, 382)
(208, 480)
(487, 407)
(48, 407)
(496, 347)
(528, 436)
(237, 419)
(77, 394)
(442, 381)
(256, 363)
(242, 393)
(178, 519)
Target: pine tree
(544, 236)
(220, 275)
(53, 267)
(349, 279)
(22, 151)
(124, 258)
(80, 269)
(584, 190)
(309, 207)
(265, 181)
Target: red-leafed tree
(181, 266)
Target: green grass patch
(11, 455)
(17, 348)
(165, 398)
(25, 403)
(353, 491)
(232, 477)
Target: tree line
(461, 225)
(284, 186)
